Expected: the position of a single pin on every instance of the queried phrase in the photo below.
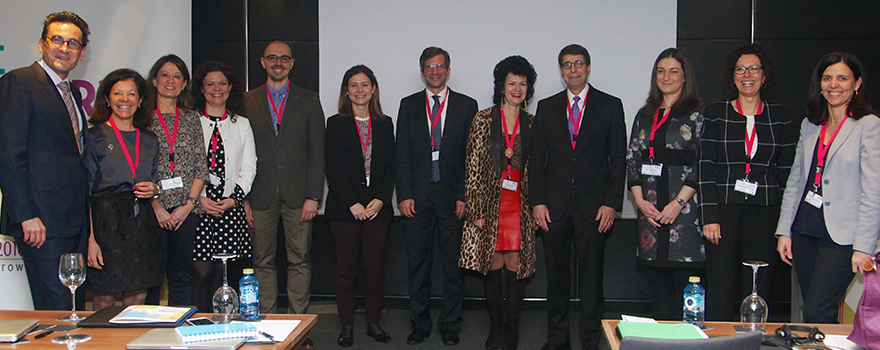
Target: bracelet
(680, 201)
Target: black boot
(494, 285)
(514, 293)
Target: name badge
(746, 186)
(368, 181)
(435, 156)
(814, 199)
(652, 169)
(215, 180)
(172, 183)
(509, 185)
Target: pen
(267, 335)
(43, 335)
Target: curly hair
(519, 66)
(102, 110)
(750, 49)
(235, 101)
(817, 106)
(184, 100)
(68, 17)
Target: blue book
(216, 331)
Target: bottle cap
(250, 271)
(692, 279)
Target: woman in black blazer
(359, 160)
(747, 151)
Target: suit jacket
(414, 149)
(850, 182)
(42, 173)
(597, 164)
(346, 177)
(723, 157)
(292, 161)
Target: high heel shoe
(346, 337)
(376, 332)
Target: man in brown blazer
(288, 126)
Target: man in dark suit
(432, 133)
(43, 133)
(577, 173)
(288, 126)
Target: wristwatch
(191, 199)
(315, 199)
(680, 201)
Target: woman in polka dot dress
(232, 162)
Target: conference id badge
(746, 186)
(368, 181)
(215, 180)
(509, 185)
(435, 156)
(137, 207)
(814, 199)
(172, 183)
(652, 169)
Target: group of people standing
(176, 170)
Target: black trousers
(589, 246)
(178, 248)
(360, 244)
(666, 290)
(41, 265)
(824, 271)
(746, 235)
(419, 233)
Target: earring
(857, 92)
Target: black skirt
(130, 244)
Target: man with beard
(288, 126)
(432, 134)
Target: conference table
(720, 329)
(116, 338)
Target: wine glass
(71, 340)
(72, 273)
(753, 311)
(225, 298)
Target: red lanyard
(369, 134)
(172, 137)
(750, 139)
(133, 165)
(434, 118)
(823, 150)
(214, 136)
(576, 124)
(509, 140)
(654, 127)
(279, 111)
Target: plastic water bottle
(694, 302)
(250, 292)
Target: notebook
(101, 318)
(11, 330)
(216, 331)
(660, 330)
(165, 338)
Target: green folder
(659, 330)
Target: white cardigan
(239, 149)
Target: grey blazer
(851, 182)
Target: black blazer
(42, 173)
(597, 165)
(346, 177)
(414, 149)
(723, 157)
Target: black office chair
(746, 341)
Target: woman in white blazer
(232, 166)
(831, 207)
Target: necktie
(435, 134)
(575, 113)
(71, 110)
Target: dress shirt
(581, 104)
(279, 98)
(443, 94)
(57, 80)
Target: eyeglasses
(73, 44)
(577, 64)
(440, 66)
(274, 58)
(752, 69)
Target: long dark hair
(235, 103)
(102, 111)
(345, 102)
(687, 101)
(817, 106)
(184, 100)
(519, 66)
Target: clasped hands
(366, 213)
